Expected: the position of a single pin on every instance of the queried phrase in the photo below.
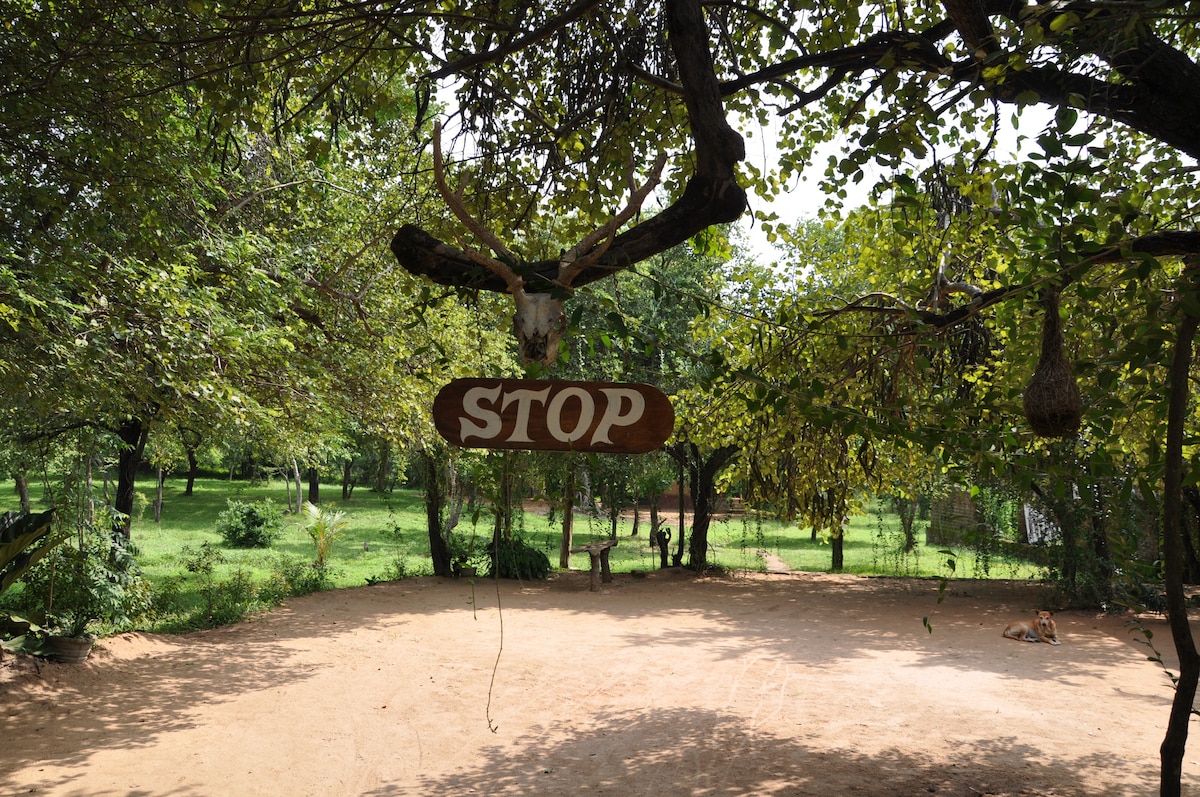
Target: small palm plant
(327, 527)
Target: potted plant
(85, 589)
(71, 647)
(463, 552)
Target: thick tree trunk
(907, 509)
(347, 479)
(193, 468)
(698, 542)
(435, 494)
(704, 493)
(133, 434)
(838, 550)
(568, 520)
(384, 466)
(506, 508)
(1175, 741)
(682, 458)
(314, 485)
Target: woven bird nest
(1052, 403)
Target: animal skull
(539, 320)
(538, 324)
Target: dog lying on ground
(1042, 629)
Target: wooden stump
(598, 551)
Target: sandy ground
(661, 685)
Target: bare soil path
(661, 685)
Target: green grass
(382, 530)
(386, 537)
(386, 528)
(873, 546)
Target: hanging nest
(1052, 403)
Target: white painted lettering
(612, 412)
(587, 412)
(491, 420)
(524, 399)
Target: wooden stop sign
(617, 418)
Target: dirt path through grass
(662, 685)
(774, 564)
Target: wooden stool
(599, 553)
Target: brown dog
(1042, 629)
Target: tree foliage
(142, 265)
(183, 254)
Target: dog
(1042, 629)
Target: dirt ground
(664, 684)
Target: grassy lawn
(873, 546)
(386, 536)
(383, 529)
(198, 580)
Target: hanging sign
(619, 418)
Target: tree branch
(1155, 88)
(594, 246)
(1179, 397)
(972, 22)
(711, 196)
(533, 37)
(1157, 245)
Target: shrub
(401, 568)
(250, 525)
(516, 558)
(86, 582)
(224, 601)
(230, 600)
(290, 576)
